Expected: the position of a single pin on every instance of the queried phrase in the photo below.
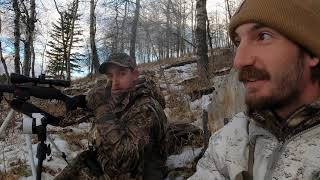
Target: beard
(285, 86)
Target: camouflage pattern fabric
(84, 167)
(129, 133)
(284, 149)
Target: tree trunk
(94, 56)
(168, 30)
(183, 34)
(209, 37)
(15, 5)
(192, 26)
(1, 55)
(33, 55)
(63, 39)
(201, 40)
(115, 38)
(228, 9)
(4, 64)
(43, 56)
(123, 24)
(75, 10)
(30, 20)
(134, 31)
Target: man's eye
(123, 73)
(109, 76)
(237, 43)
(264, 36)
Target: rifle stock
(28, 109)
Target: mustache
(249, 73)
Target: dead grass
(74, 139)
(218, 62)
(20, 169)
(179, 108)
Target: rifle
(23, 88)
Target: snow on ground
(181, 73)
(184, 159)
(173, 77)
(201, 103)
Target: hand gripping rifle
(22, 89)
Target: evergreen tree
(65, 32)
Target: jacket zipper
(276, 153)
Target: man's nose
(115, 81)
(244, 56)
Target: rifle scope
(18, 79)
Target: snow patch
(182, 160)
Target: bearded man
(277, 56)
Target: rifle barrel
(35, 91)
(18, 79)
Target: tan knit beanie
(298, 20)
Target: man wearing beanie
(130, 127)
(277, 56)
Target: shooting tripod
(43, 149)
(35, 120)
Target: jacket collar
(303, 118)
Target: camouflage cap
(120, 59)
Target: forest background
(68, 39)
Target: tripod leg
(29, 146)
(6, 122)
(63, 155)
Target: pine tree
(65, 32)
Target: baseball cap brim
(104, 65)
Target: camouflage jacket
(285, 149)
(130, 129)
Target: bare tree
(134, 31)
(62, 24)
(115, 35)
(29, 20)
(15, 5)
(228, 9)
(123, 26)
(1, 55)
(74, 14)
(192, 24)
(33, 60)
(68, 38)
(201, 39)
(168, 28)
(94, 56)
